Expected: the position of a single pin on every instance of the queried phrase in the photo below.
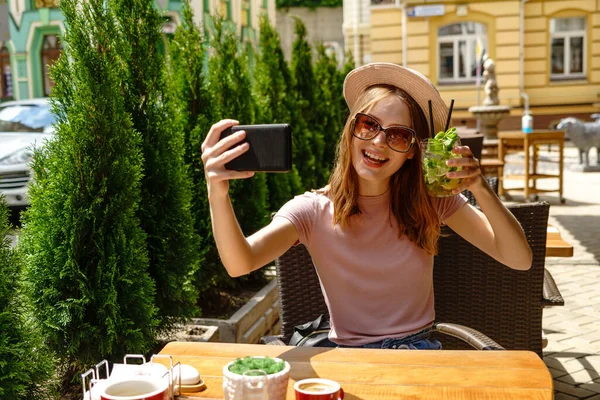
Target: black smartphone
(270, 148)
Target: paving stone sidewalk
(573, 331)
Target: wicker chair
(552, 296)
(301, 300)
(473, 289)
(481, 294)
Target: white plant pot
(276, 384)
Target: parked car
(24, 125)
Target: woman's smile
(374, 159)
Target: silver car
(24, 125)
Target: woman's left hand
(470, 173)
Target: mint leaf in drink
(436, 151)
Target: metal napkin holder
(174, 390)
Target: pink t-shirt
(376, 285)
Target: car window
(26, 118)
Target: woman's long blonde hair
(410, 203)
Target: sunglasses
(399, 138)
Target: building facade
(547, 52)
(36, 25)
(323, 25)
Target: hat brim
(412, 82)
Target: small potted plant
(241, 372)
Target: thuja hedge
(312, 4)
(25, 363)
(119, 220)
(87, 259)
(267, 91)
(166, 188)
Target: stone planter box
(257, 318)
(193, 333)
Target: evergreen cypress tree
(86, 254)
(25, 364)
(339, 91)
(232, 98)
(300, 146)
(165, 209)
(192, 96)
(271, 90)
(327, 108)
(309, 137)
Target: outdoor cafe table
(519, 141)
(368, 374)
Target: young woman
(371, 232)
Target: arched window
(461, 47)
(6, 82)
(50, 51)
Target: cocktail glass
(434, 156)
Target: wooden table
(556, 246)
(510, 141)
(367, 374)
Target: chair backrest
(471, 288)
(300, 296)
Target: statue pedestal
(488, 117)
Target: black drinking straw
(432, 127)
(449, 115)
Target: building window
(50, 52)
(567, 48)
(246, 18)
(225, 9)
(47, 3)
(460, 48)
(6, 82)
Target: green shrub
(194, 114)
(25, 364)
(312, 4)
(308, 138)
(86, 253)
(165, 207)
(331, 109)
(232, 98)
(271, 91)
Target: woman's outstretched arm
(494, 229)
(239, 255)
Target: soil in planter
(196, 331)
(224, 303)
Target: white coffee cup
(139, 388)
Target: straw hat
(412, 82)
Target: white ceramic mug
(139, 388)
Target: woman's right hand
(216, 153)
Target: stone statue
(490, 112)
(491, 85)
(584, 136)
